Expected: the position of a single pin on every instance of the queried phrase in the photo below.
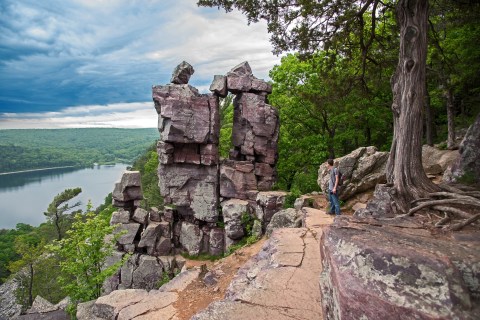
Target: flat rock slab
(280, 282)
(315, 218)
(389, 269)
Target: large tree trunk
(404, 167)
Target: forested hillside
(44, 148)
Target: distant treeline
(26, 149)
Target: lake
(25, 196)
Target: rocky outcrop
(288, 218)
(436, 161)
(362, 169)
(138, 303)
(466, 168)
(394, 269)
(267, 204)
(9, 308)
(277, 283)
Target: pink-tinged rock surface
(392, 269)
(280, 282)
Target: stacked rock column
(188, 123)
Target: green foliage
(44, 148)
(59, 206)
(468, 178)
(83, 254)
(166, 277)
(201, 257)
(290, 198)
(147, 164)
(226, 125)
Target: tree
(30, 248)
(311, 25)
(59, 206)
(83, 254)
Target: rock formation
(362, 169)
(466, 168)
(192, 179)
(395, 269)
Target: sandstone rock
(157, 305)
(182, 73)
(216, 245)
(267, 204)
(9, 308)
(190, 238)
(242, 68)
(259, 85)
(257, 229)
(120, 216)
(147, 274)
(163, 247)
(129, 188)
(165, 229)
(63, 304)
(149, 236)
(232, 211)
(115, 257)
(466, 168)
(131, 230)
(255, 127)
(141, 216)
(219, 86)
(85, 311)
(49, 315)
(154, 215)
(436, 161)
(380, 204)
(108, 307)
(210, 279)
(236, 178)
(288, 218)
(126, 271)
(41, 305)
(181, 281)
(426, 277)
(168, 214)
(191, 188)
(184, 115)
(362, 169)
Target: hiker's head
(330, 162)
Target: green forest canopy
(27, 149)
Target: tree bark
(404, 168)
(30, 286)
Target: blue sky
(91, 63)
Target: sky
(92, 63)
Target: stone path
(281, 282)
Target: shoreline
(33, 170)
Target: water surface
(25, 196)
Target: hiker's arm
(336, 183)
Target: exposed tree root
(455, 204)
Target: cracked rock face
(424, 277)
(362, 169)
(182, 73)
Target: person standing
(332, 189)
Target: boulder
(216, 241)
(288, 218)
(154, 215)
(219, 86)
(380, 205)
(267, 204)
(182, 73)
(362, 169)
(9, 308)
(232, 211)
(120, 216)
(41, 305)
(393, 269)
(141, 216)
(128, 189)
(163, 247)
(130, 229)
(466, 167)
(147, 274)
(149, 237)
(191, 238)
(436, 161)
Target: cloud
(119, 115)
(77, 53)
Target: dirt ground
(197, 296)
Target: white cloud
(118, 115)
